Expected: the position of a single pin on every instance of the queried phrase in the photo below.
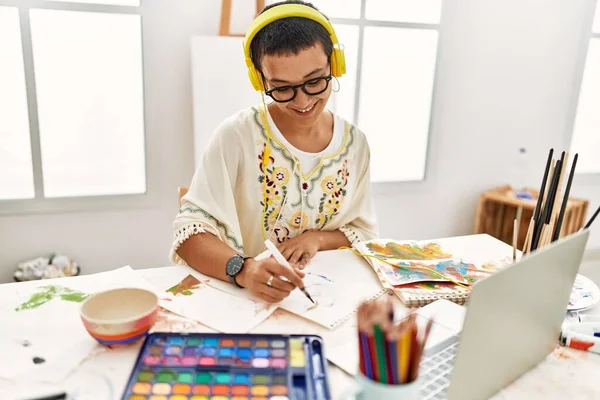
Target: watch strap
(232, 277)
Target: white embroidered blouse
(250, 187)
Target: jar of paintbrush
(389, 353)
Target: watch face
(234, 265)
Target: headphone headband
(338, 65)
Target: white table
(566, 373)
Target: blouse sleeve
(364, 226)
(209, 205)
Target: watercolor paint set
(198, 366)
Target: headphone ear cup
(338, 62)
(255, 79)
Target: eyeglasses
(311, 87)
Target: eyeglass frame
(295, 88)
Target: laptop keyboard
(435, 372)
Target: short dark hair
(289, 36)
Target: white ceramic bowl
(119, 316)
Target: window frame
(587, 35)
(361, 22)
(41, 204)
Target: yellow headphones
(338, 62)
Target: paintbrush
(546, 213)
(538, 206)
(592, 219)
(565, 200)
(527, 244)
(281, 260)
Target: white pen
(281, 260)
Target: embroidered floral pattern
(333, 195)
(312, 183)
(299, 220)
(281, 176)
(274, 184)
(329, 185)
(224, 229)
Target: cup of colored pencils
(389, 353)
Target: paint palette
(195, 366)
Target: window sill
(78, 204)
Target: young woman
(291, 171)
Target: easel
(226, 17)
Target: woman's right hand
(255, 275)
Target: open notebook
(337, 280)
(421, 272)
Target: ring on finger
(270, 281)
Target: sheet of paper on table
(41, 331)
(337, 280)
(186, 295)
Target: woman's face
(287, 70)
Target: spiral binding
(422, 299)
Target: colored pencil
(392, 341)
(592, 219)
(389, 363)
(404, 353)
(413, 370)
(390, 353)
(374, 364)
(364, 338)
(380, 349)
(361, 334)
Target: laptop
(513, 322)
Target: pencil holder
(367, 389)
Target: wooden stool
(498, 208)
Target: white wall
(505, 80)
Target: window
(391, 49)
(72, 119)
(586, 139)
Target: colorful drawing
(186, 286)
(47, 293)
(450, 270)
(408, 251)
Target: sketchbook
(39, 315)
(186, 295)
(420, 272)
(338, 281)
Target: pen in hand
(281, 260)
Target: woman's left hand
(300, 249)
